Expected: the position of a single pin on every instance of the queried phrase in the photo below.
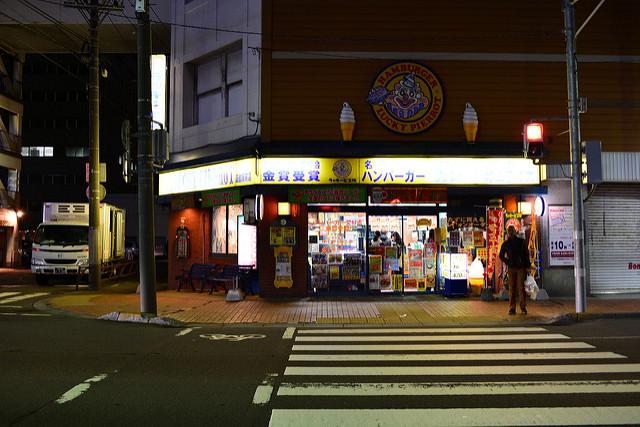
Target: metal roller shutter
(613, 238)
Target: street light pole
(95, 246)
(576, 157)
(148, 300)
(94, 13)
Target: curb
(118, 316)
(570, 318)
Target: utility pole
(148, 303)
(94, 12)
(576, 157)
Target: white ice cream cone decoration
(347, 122)
(470, 123)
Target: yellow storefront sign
(377, 171)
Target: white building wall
(205, 28)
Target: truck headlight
(83, 262)
(37, 261)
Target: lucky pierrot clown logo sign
(407, 98)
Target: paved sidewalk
(118, 300)
(190, 307)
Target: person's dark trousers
(516, 278)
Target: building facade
(260, 92)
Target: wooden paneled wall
(321, 54)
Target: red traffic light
(533, 141)
(534, 132)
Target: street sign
(103, 192)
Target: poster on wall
(561, 245)
(375, 264)
(512, 218)
(283, 267)
(385, 282)
(374, 282)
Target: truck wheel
(42, 279)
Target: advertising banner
(561, 245)
(494, 237)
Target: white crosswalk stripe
(355, 363)
(7, 298)
(19, 297)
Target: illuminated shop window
(224, 229)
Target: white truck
(61, 244)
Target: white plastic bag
(530, 285)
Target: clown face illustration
(407, 98)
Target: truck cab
(60, 250)
(61, 244)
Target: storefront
(432, 222)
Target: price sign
(561, 244)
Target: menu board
(319, 271)
(459, 266)
(283, 233)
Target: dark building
(55, 145)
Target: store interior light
(259, 207)
(539, 206)
(524, 208)
(284, 208)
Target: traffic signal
(533, 141)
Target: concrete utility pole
(576, 157)
(94, 12)
(148, 303)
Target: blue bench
(197, 272)
(228, 274)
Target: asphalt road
(59, 370)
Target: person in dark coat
(515, 254)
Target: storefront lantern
(539, 206)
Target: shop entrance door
(402, 253)
(336, 250)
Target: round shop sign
(407, 98)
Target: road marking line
(264, 391)
(450, 356)
(21, 297)
(186, 331)
(288, 333)
(8, 294)
(390, 338)
(550, 416)
(476, 346)
(462, 370)
(418, 330)
(79, 389)
(25, 314)
(455, 389)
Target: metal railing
(10, 142)
(10, 86)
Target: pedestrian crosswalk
(8, 299)
(441, 376)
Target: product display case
(336, 251)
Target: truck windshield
(62, 235)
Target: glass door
(402, 253)
(337, 251)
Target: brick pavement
(195, 308)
